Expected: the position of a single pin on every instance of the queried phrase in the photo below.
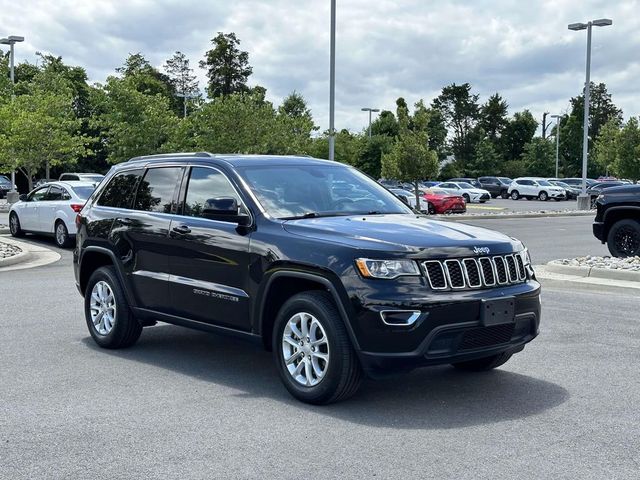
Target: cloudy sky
(385, 48)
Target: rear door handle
(182, 229)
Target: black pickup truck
(617, 221)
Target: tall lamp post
(557, 117)
(185, 97)
(583, 198)
(11, 40)
(367, 109)
(332, 82)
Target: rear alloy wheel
(62, 234)
(483, 364)
(431, 209)
(14, 225)
(624, 238)
(313, 353)
(543, 196)
(504, 194)
(515, 195)
(467, 198)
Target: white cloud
(385, 49)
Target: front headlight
(600, 197)
(526, 258)
(387, 269)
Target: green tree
(134, 123)
(227, 66)
(431, 122)
(493, 117)
(385, 124)
(181, 77)
(486, 160)
(410, 160)
(38, 129)
(517, 133)
(370, 158)
(601, 109)
(604, 153)
(460, 111)
(539, 157)
(628, 151)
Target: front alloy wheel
(313, 352)
(305, 349)
(14, 225)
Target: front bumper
(449, 330)
(598, 231)
(560, 195)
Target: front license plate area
(498, 311)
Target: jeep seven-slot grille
(469, 273)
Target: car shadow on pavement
(427, 398)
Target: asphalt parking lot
(186, 404)
(500, 205)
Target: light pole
(557, 117)
(332, 82)
(185, 97)
(583, 198)
(11, 40)
(367, 109)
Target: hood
(405, 233)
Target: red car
(439, 201)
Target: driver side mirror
(225, 209)
(23, 198)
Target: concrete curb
(553, 279)
(491, 216)
(31, 256)
(23, 256)
(593, 272)
(4, 231)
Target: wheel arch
(94, 257)
(614, 214)
(282, 285)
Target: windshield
(295, 191)
(544, 183)
(561, 184)
(465, 185)
(83, 192)
(505, 179)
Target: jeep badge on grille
(479, 250)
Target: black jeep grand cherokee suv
(337, 282)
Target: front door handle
(125, 221)
(182, 229)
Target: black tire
(14, 225)
(467, 198)
(126, 329)
(343, 372)
(504, 194)
(431, 209)
(623, 239)
(61, 234)
(543, 196)
(515, 195)
(484, 364)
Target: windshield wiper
(317, 215)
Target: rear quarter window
(120, 190)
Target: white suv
(529, 187)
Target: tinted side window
(157, 189)
(120, 190)
(206, 184)
(55, 193)
(39, 195)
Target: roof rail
(172, 155)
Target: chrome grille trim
(487, 268)
(465, 268)
(425, 267)
(484, 275)
(448, 271)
